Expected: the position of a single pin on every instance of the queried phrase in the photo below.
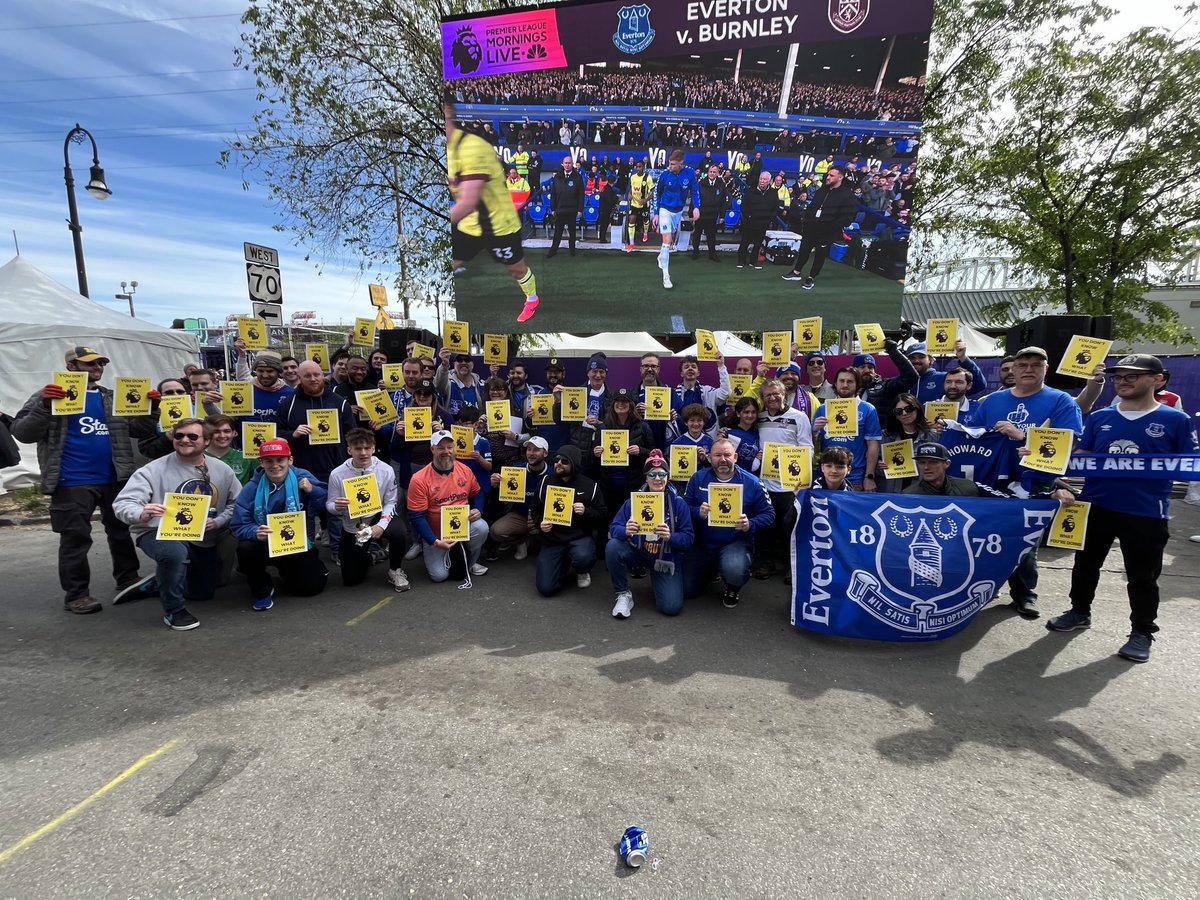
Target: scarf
(665, 556)
(291, 489)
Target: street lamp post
(95, 186)
(128, 288)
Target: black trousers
(567, 218)
(71, 511)
(356, 560)
(302, 574)
(703, 227)
(774, 543)
(818, 248)
(1142, 543)
(753, 235)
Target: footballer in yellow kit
(641, 186)
(483, 217)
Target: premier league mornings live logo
(634, 33)
(847, 15)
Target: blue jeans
(553, 564)
(184, 571)
(700, 564)
(435, 557)
(668, 587)
(1023, 582)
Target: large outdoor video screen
(794, 127)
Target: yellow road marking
(84, 804)
(378, 606)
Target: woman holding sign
(621, 473)
(905, 422)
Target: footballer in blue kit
(673, 190)
(1132, 511)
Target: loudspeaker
(393, 341)
(1053, 334)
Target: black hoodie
(595, 515)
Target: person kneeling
(447, 482)
(277, 487)
(661, 552)
(567, 547)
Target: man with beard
(830, 210)
(410, 371)
(864, 446)
(956, 384)
(568, 547)
(760, 206)
(795, 395)
(460, 387)
(519, 387)
(929, 379)
(357, 379)
(268, 387)
(880, 391)
(515, 525)
(446, 482)
(723, 550)
(714, 198)
(650, 367)
(558, 433)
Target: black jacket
(595, 512)
(566, 192)
(760, 207)
(714, 198)
(830, 211)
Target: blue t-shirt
(87, 451)
(746, 448)
(868, 430)
(1108, 430)
(673, 189)
(1048, 408)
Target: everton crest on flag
(905, 568)
(847, 15)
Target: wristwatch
(870, 475)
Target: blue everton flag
(899, 567)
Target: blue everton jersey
(673, 190)
(990, 459)
(1108, 430)
(868, 430)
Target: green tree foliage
(351, 129)
(1073, 156)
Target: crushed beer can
(634, 846)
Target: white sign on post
(262, 274)
(271, 313)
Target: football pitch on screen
(610, 290)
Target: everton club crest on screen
(634, 33)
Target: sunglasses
(901, 410)
(656, 474)
(189, 437)
(173, 393)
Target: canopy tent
(612, 343)
(731, 347)
(40, 320)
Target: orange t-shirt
(430, 490)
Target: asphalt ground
(491, 743)
(609, 290)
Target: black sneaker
(793, 276)
(181, 620)
(809, 284)
(136, 590)
(730, 599)
(1027, 608)
(763, 570)
(637, 571)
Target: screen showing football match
(664, 166)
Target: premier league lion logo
(465, 51)
(633, 34)
(847, 15)
(363, 495)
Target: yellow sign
(706, 346)
(456, 336)
(383, 321)
(512, 484)
(378, 294)
(658, 404)
(614, 447)
(776, 348)
(1049, 450)
(870, 337)
(378, 406)
(237, 398)
(899, 458)
(807, 333)
(420, 351)
(495, 349)
(184, 518)
(842, 413)
(940, 336)
(318, 353)
(542, 407)
(393, 376)
(131, 397)
(1083, 355)
(770, 460)
(456, 523)
(946, 410)
(254, 435)
(253, 333)
(174, 408)
(288, 535)
(325, 425)
(574, 404)
(795, 467)
(724, 505)
(363, 493)
(497, 415)
(1069, 527)
(739, 387)
(464, 440)
(683, 461)
(646, 508)
(560, 505)
(418, 423)
(364, 332)
(75, 385)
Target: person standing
(760, 206)
(931, 384)
(268, 387)
(566, 200)
(714, 198)
(832, 208)
(864, 445)
(778, 424)
(641, 186)
(1133, 511)
(674, 190)
(85, 460)
(880, 391)
(184, 570)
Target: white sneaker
(398, 579)
(478, 569)
(1195, 539)
(522, 550)
(624, 605)
(584, 579)
(667, 281)
(414, 551)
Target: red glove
(154, 395)
(52, 392)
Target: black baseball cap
(930, 450)
(1137, 362)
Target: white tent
(40, 320)
(731, 347)
(613, 343)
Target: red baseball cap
(277, 447)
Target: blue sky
(176, 221)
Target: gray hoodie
(167, 475)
